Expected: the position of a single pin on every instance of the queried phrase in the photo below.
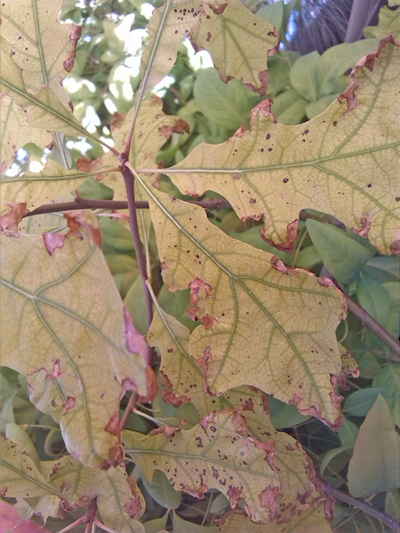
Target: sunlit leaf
(63, 326)
(44, 49)
(44, 110)
(238, 41)
(337, 163)
(16, 132)
(389, 24)
(375, 465)
(247, 336)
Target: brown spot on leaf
(68, 404)
(53, 241)
(133, 507)
(208, 39)
(218, 9)
(74, 38)
(10, 220)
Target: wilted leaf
(238, 41)
(375, 465)
(217, 453)
(341, 163)
(119, 501)
(43, 49)
(240, 297)
(63, 326)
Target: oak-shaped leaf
(343, 162)
(64, 327)
(262, 325)
(217, 453)
(238, 41)
(43, 49)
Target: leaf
(227, 105)
(389, 24)
(375, 465)
(360, 402)
(335, 163)
(392, 503)
(312, 519)
(238, 41)
(16, 132)
(237, 294)
(157, 525)
(289, 107)
(389, 378)
(44, 110)
(19, 436)
(9, 518)
(169, 25)
(374, 298)
(44, 50)
(64, 328)
(183, 526)
(239, 467)
(20, 478)
(161, 490)
(343, 256)
(39, 188)
(348, 432)
(119, 501)
(273, 13)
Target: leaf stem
(133, 221)
(128, 410)
(113, 205)
(367, 320)
(363, 505)
(71, 526)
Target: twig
(367, 320)
(133, 221)
(113, 205)
(364, 506)
(128, 410)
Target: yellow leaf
(16, 132)
(340, 163)
(119, 500)
(63, 326)
(217, 453)
(238, 41)
(44, 109)
(389, 24)
(37, 188)
(260, 326)
(43, 49)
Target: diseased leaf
(169, 25)
(19, 476)
(39, 188)
(375, 465)
(43, 49)
(310, 520)
(16, 132)
(238, 41)
(63, 326)
(44, 110)
(340, 163)
(240, 296)
(217, 453)
(119, 500)
(10, 517)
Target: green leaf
(389, 378)
(375, 466)
(360, 402)
(304, 76)
(392, 503)
(374, 298)
(273, 13)
(161, 490)
(227, 105)
(343, 255)
(289, 107)
(279, 67)
(331, 454)
(383, 268)
(183, 526)
(156, 525)
(348, 432)
(64, 328)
